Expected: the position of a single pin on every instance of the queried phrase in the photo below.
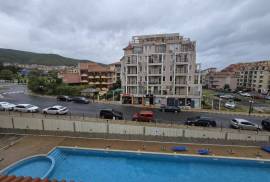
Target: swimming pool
(101, 165)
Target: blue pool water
(35, 167)
(100, 166)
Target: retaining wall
(126, 129)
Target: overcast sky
(226, 31)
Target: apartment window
(164, 78)
(146, 78)
(261, 81)
(170, 78)
(137, 50)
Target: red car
(145, 116)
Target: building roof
(71, 78)
(93, 67)
(248, 66)
(116, 63)
(26, 179)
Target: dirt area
(26, 146)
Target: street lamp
(250, 106)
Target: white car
(6, 106)
(245, 94)
(230, 105)
(227, 96)
(55, 110)
(244, 124)
(26, 108)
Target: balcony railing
(154, 82)
(132, 82)
(154, 72)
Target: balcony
(154, 82)
(84, 81)
(154, 72)
(131, 63)
(181, 82)
(181, 72)
(91, 77)
(84, 75)
(132, 74)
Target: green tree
(6, 74)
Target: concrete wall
(99, 126)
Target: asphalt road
(18, 95)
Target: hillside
(24, 57)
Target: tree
(6, 74)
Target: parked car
(110, 114)
(145, 116)
(165, 108)
(26, 108)
(267, 98)
(230, 104)
(55, 110)
(258, 96)
(63, 98)
(227, 96)
(6, 106)
(266, 124)
(245, 94)
(238, 123)
(201, 121)
(81, 100)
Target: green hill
(24, 57)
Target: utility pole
(250, 106)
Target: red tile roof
(25, 179)
(93, 67)
(71, 78)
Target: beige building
(116, 68)
(218, 80)
(204, 74)
(254, 76)
(96, 75)
(161, 69)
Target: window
(164, 78)
(170, 78)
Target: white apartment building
(161, 69)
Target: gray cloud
(226, 31)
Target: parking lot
(242, 102)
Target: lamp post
(250, 106)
